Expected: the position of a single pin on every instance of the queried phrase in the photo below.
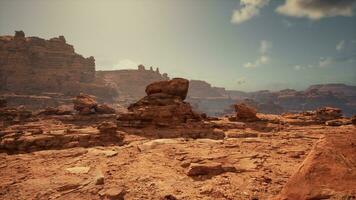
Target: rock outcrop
(245, 113)
(328, 113)
(86, 104)
(31, 65)
(163, 106)
(353, 120)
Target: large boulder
(85, 104)
(245, 113)
(328, 113)
(328, 172)
(175, 87)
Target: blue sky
(243, 45)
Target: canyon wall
(35, 66)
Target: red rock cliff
(31, 65)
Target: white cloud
(248, 10)
(341, 45)
(264, 57)
(316, 9)
(297, 67)
(126, 64)
(323, 62)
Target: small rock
(209, 168)
(114, 193)
(99, 178)
(169, 197)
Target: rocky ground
(161, 149)
(242, 166)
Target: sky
(244, 45)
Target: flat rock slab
(78, 170)
(209, 168)
(240, 134)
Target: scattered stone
(114, 193)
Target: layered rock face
(163, 106)
(31, 65)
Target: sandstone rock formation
(61, 110)
(328, 172)
(245, 113)
(175, 87)
(86, 104)
(31, 65)
(10, 115)
(328, 113)
(163, 106)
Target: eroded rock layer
(32, 65)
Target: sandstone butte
(157, 146)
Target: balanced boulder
(245, 113)
(175, 87)
(163, 106)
